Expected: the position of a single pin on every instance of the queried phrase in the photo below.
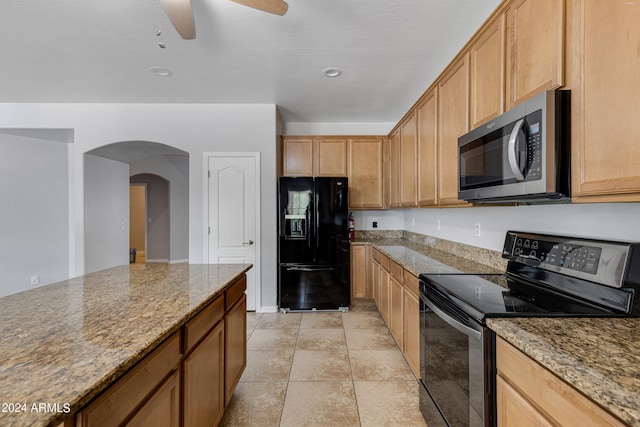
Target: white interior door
(233, 214)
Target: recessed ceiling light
(162, 72)
(332, 72)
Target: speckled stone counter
(64, 343)
(599, 357)
(418, 258)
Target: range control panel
(594, 260)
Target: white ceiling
(102, 51)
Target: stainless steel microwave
(521, 156)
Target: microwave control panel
(533, 132)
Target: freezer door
(312, 287)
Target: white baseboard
(157, 260)
(267, 309)
(178, 261)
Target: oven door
(456, 365)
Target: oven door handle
(452, 322)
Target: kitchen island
(62, 345)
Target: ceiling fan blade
(181, 16)
(277, 7)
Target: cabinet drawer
(235, 292)
(384, 261)
(411, 283)
(376, 255)
(119, 401)
(396, 271)
(196, 328)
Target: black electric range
(546, 276)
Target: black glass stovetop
(500, 295)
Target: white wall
(331, 128)
(106, 213)
(612, 221)
(34, 230)
(194, 128)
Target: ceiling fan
(181, 15)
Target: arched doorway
(107, 177)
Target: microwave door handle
(452, 322)
(513, 160)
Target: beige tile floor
(324, 369)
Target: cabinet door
(427, 116)
(605, 88)
(203, 371)
(408, 162)
(411, 313)
(235, 348)
(486, 58)
(163, 408)
(535, 48)
(453, 117)
(297, 157)
(365, 173)
(358, 271)
(330, 157)
(514, 409)
(395, 197)
(396, 315)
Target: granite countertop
(418, 258)
(599, 357)
(64, 343)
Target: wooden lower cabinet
(396, 317)
(235, 346)
(188, 380)
(120, 403)
(411, 320)
(530, 395)
(395, 292)
(204, 381)
(163, 408)
(358, 264)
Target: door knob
(250, 242)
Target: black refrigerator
(313, 244)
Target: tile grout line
(295, 345)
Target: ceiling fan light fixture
(161, 72)
(332, 72)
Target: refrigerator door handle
(317, 221)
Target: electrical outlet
(438, 225)
(35, 280)
(413, 222)
(374, 222)
(477, 229)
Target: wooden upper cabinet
(297, 157)
(535, 48)
(310, 156)
(365, 173)
(330, 157)
(427, 126)
(605, 88)
(453, 122)
(408, 162)
(486, 57)
(395, 197)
